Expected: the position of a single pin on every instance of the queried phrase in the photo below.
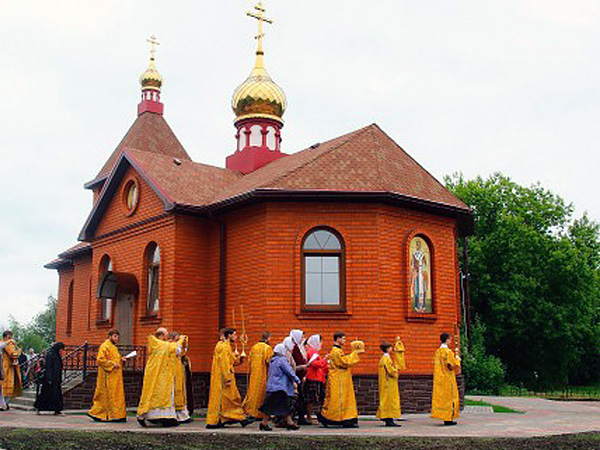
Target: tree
(40, 332)
(484, 373)
(535, 280)
(44, 323)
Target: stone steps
(26, 401)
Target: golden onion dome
(151, 78)
(259, 96)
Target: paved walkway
(541, 418)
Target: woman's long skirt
(277, 404)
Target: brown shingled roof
(66, 257)
(151, 133)
(183, 182)
(367, 160)
(365, 165)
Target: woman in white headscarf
(300, 360)
(279, 401)
(288, 345)
(316, 376)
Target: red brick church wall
(264, 275)
(266, 278)
(126, 247)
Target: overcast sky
(462, 85)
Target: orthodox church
(351, 234)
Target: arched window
(421, 293)
(70, 309)
(105, 303)
(323, 268)
(153, 264)
(256, 137)
(271, 138)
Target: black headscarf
(56, 348)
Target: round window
(131, 195)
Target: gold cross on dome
(260, 16)
(153, 43)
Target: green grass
(496, 408)
(22, 439)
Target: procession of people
(289, 384)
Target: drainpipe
(467, 290)
(222, 272)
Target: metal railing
(564, 393)
(78, 362)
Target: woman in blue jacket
(280, 390)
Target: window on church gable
(131, 195)
(323, 271)
(153, 264)
(421, 293)
(105, 303)
(70, 309)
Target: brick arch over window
(323, 256)
(70, 309)
(152, 259)
(106, 265)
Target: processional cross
(260, 16)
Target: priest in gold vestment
(157, 404)
(180, 395)
(11, 385)
(260, 355)
(339, 408)
(389, 395)
(224, 400)
(109, 398)
(445, 403)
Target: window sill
(103, 323)
(416, 317)
(324, 315)
(151, 319)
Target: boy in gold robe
(157, 400)
(180, 395)
(260, 355)
(11, 385)
(389, 395)
(339, 408)
(224, 400)
(445, 404)
(109, 398)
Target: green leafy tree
(484, 373)
(534, 280)
(38, 334)
(44, 323)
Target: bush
(484, 373)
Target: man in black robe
(50, 398)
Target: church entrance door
(125, 318)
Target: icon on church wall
(420, 276)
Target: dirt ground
(26, 439)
